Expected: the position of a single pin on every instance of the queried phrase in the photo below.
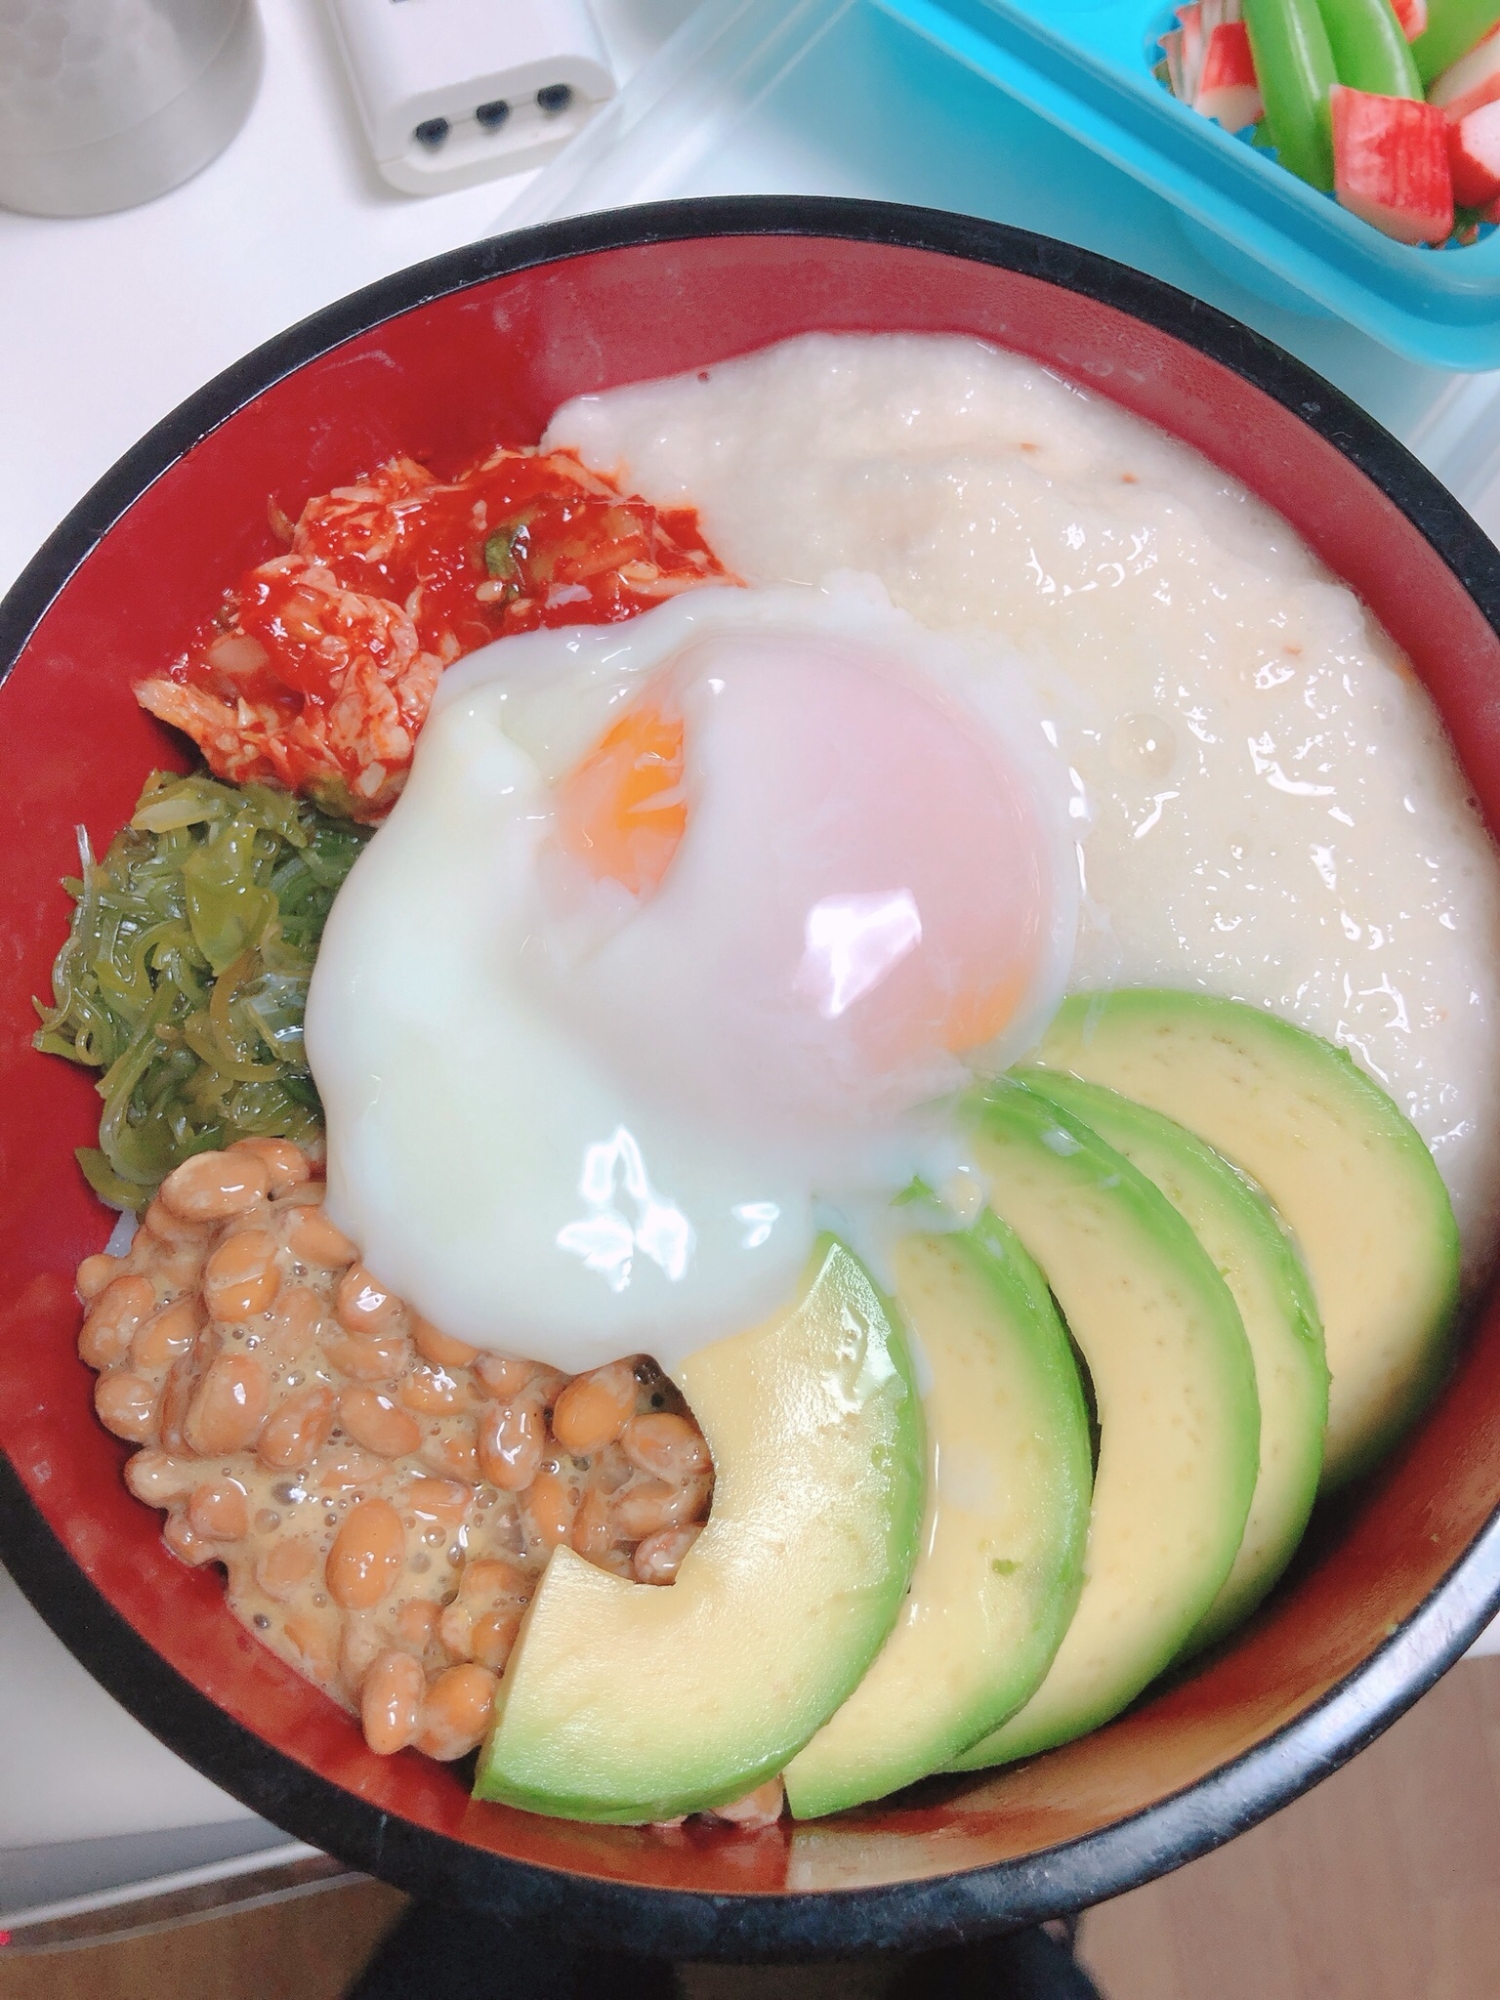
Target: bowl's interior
(442, 382)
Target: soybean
(177, 1396)
(363, 1305)
(167, 1334)
(504, 1375)
(114, 1318)
(314, 1641)
(432, 1391)
(313, 1239)
(378, 1359)
(345, 1470)
(457, 1712)
(593, 1409)
(281, 1568)
(94, 1273)
(366, 1556)
(443, 1500)
(510, 1442)
(594, 1533)
(298, 1428)
(241, 1277)
(416, 1623)
(666, 1445)
(551, 1505)
(286, 1165)
(374, 1421)
(211, 1187)
(390, 1702)
(159, 1479)
(220, 1512)
(492, 1638)
(229, 1407)
(126, 1405)
(183, 1539)
(656, 1504)
(658, 1557)
(294, 1320)
(164, 1225)
(762, 1807)
(439, 1348)
(453, 1453)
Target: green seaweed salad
(184, 976)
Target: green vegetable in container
(1294, 64)
(1370, 49)
(1453, 28)
(185, 973)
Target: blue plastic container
(1087, 66)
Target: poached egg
(675, 949)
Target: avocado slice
(1258, 1261)
(1001, 1561)
(1346, 1171)
(1174, 1388)
(625, 1702)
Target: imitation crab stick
(1453, 28)
(1391, 164)
(1370, 52)
(1171, 48)
(1472, 81)
(1228, 89)
(1190, 38)
(1294, 62)
(1474, 156)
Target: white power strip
(453, 92)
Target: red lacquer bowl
(440, 362)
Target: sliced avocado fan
(1259, 1262)
(1348, 1174)
(1174, 1387)
(626, 1702)
(1001, 1560)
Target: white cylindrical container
(106, 103)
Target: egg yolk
(977, 1016)
(898, 896)
(621, 810)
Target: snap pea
(1453, 28)
(1370, 51)
(1295, 67)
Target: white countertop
(107, 323)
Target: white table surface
(106, 324)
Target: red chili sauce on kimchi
(318, 674)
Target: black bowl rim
(682, 1924)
